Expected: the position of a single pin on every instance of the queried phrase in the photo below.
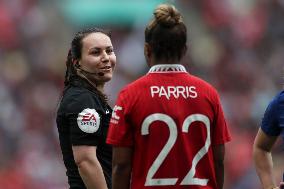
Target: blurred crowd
(236, 45)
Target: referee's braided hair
(166, 33)
(75, 53)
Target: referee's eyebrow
(106, 47)
(98, 48)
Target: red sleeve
(220, 134)
(120, 133)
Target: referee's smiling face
(97, 56)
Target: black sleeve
(83, 119)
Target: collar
(167, 68)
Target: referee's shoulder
(74, 91)
(76, 95)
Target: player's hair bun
(167, 15)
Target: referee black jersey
(82, 119)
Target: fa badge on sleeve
(88, 120)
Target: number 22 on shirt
(189, 178)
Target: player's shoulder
(135, 86)
(278, 99)
(274, 103)
(273, 114)
(202, 83)
(280, 96)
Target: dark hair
(75, 53)
(166, 33)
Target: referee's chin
(106, 77)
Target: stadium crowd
(235, 45)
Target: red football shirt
(171, 119)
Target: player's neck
(167, 68)
(163, 61)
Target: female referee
(83, 115)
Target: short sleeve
(269, 123)
(83, 119)
(120, 131)
(220, 133)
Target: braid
(68, 68)
(101, 96)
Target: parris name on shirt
(173, 91)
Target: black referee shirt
(82, 119)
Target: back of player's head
(166, 33)
(75, 51)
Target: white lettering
(114, 115)
(163, 92)
(154, 89)
(181, 90)
(113, 121)
(186, 90)
(173, 92)
(193, 92)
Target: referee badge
(88, 120)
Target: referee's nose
(105, 57)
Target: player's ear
(147, 51)
(184, 50)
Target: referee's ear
(76, 63)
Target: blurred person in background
(83, 115)
(167, 128)
(271, 128)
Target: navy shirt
(273, 119)
(83, 119)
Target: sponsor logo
(88, 120)
(114, 117)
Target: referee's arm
(89, 167)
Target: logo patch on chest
(88, 120)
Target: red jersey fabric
(171, 119)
